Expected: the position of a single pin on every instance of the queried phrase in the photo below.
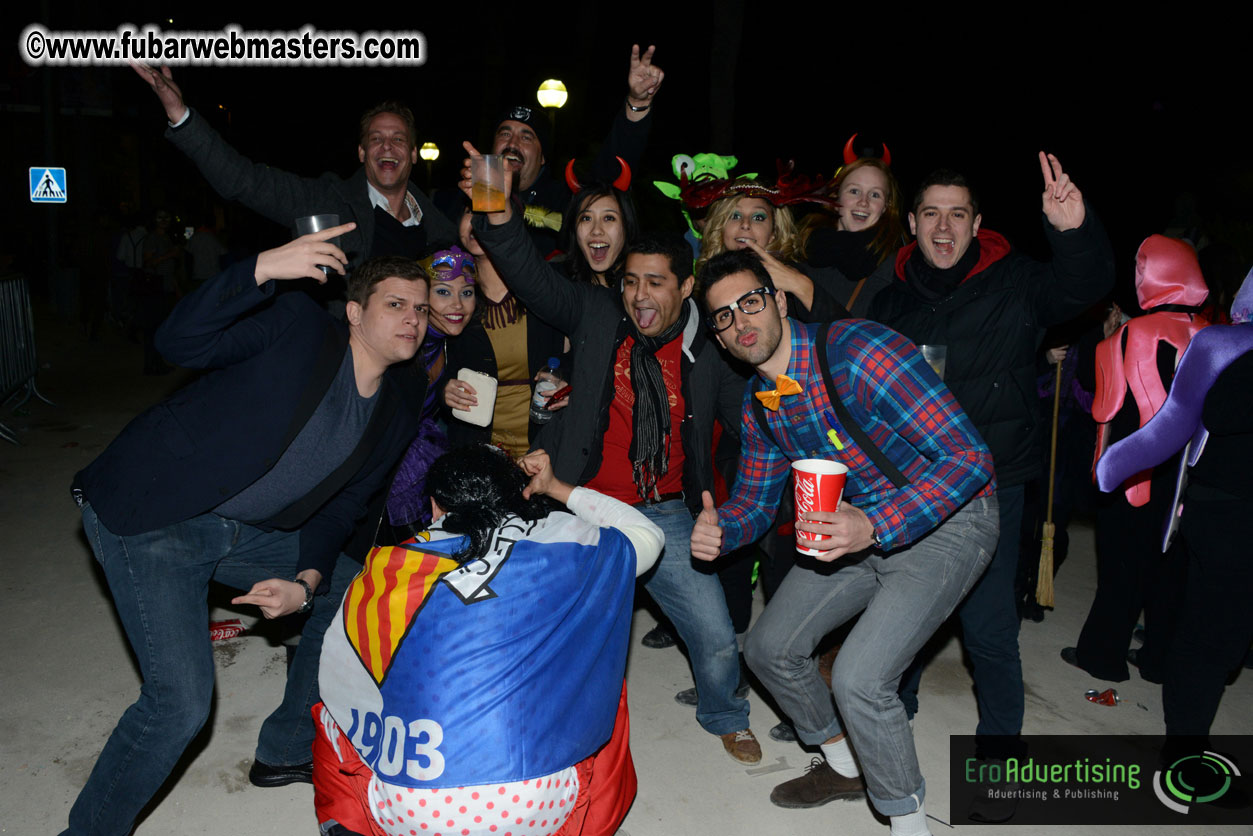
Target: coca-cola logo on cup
(819, 485)
(806, 492)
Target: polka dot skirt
(536, 807)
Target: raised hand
(643, 79)
(304, 256)
(162, 83)
(785, 278)
(466, 184)
(1062, 200)
(706, 533)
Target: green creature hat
(700, 167)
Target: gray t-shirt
(323, 444)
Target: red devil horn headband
(621, 184)
(850, 155)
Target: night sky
(1138, 113)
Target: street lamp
(552, 95)
(429, 152)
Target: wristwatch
(308, 604)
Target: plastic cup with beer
(487, 183)
(819, 487)
(936, 357)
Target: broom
(1044, 581)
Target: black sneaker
(659, 637)
(784, 732)
(819, 785)
(265, 775)
(688, 696)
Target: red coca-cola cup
(819, 487)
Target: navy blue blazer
(272, 356)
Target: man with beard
(963, 287)
(393, 217)
(522, 136)
(643, 432)
(916, 528)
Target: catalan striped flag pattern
(383, 600)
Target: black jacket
(594, 320)
(218, 435)
(282, 196)
(992, 325)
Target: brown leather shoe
(819, 785)
(743, 746)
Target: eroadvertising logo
(1100, 779)
(1194, 780)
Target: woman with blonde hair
(751, 214)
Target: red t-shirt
(615, 475)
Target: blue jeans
(694, 602)
(286, 737)
(159, 581)
(990, 622)
(905, 595)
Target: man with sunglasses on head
(916, 528)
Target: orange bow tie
(784, 386)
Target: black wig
(478, 486)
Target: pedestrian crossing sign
(47, 184)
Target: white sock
(840, 756)
(911, 824)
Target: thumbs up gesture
(706, 533)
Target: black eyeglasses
(753, 302)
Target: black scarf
(650, 438)
(935, 284)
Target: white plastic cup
(487, 183)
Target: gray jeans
(906, 595)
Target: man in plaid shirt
(906, 556)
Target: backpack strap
(759, 412)
(859, 435)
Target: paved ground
(68, 675)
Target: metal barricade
(17, 347)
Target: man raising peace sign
(962, 287)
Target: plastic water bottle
(550, 380)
